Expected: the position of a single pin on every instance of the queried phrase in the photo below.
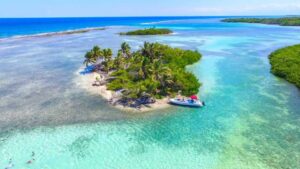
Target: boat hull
(186, 103)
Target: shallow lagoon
(251, 119)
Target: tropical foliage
(286, 64)
(149, 31)
(93, 56)
(155, 70)
(287, 21)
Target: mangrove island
(285, 63)
(148, 31)
(143, 77)
(286, 21)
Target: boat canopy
(194, 97)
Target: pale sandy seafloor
(86, 82)
(251, 120)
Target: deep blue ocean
(29, 26)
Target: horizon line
(29, 17)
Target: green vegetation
(287, 21)
(154, 71)
(149, 31)
(286, 64)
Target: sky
(87, 8)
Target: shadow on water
(87, 70)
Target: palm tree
(92, 56)
(160, 72)
(125, 49)
(149, 50)
(97, 53)
(145, 62)
(119, 61)
(107, 54)
(88, 58)
(145, 50)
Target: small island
(285, 63)
(286, 21)
(149, 31)
(144, 78)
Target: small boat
(192, 102)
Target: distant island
(148, 31)
(286, 64)
(286, 21)
(144, 78)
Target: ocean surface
(30, 26)
(252, 118)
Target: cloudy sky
(84, 8)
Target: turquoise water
(251, 119)
(10, 27)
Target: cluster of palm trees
(147, 71)
(96, 55)
(125, 57)
(155, 75)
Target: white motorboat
(187, 102)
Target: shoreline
(85, 81)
